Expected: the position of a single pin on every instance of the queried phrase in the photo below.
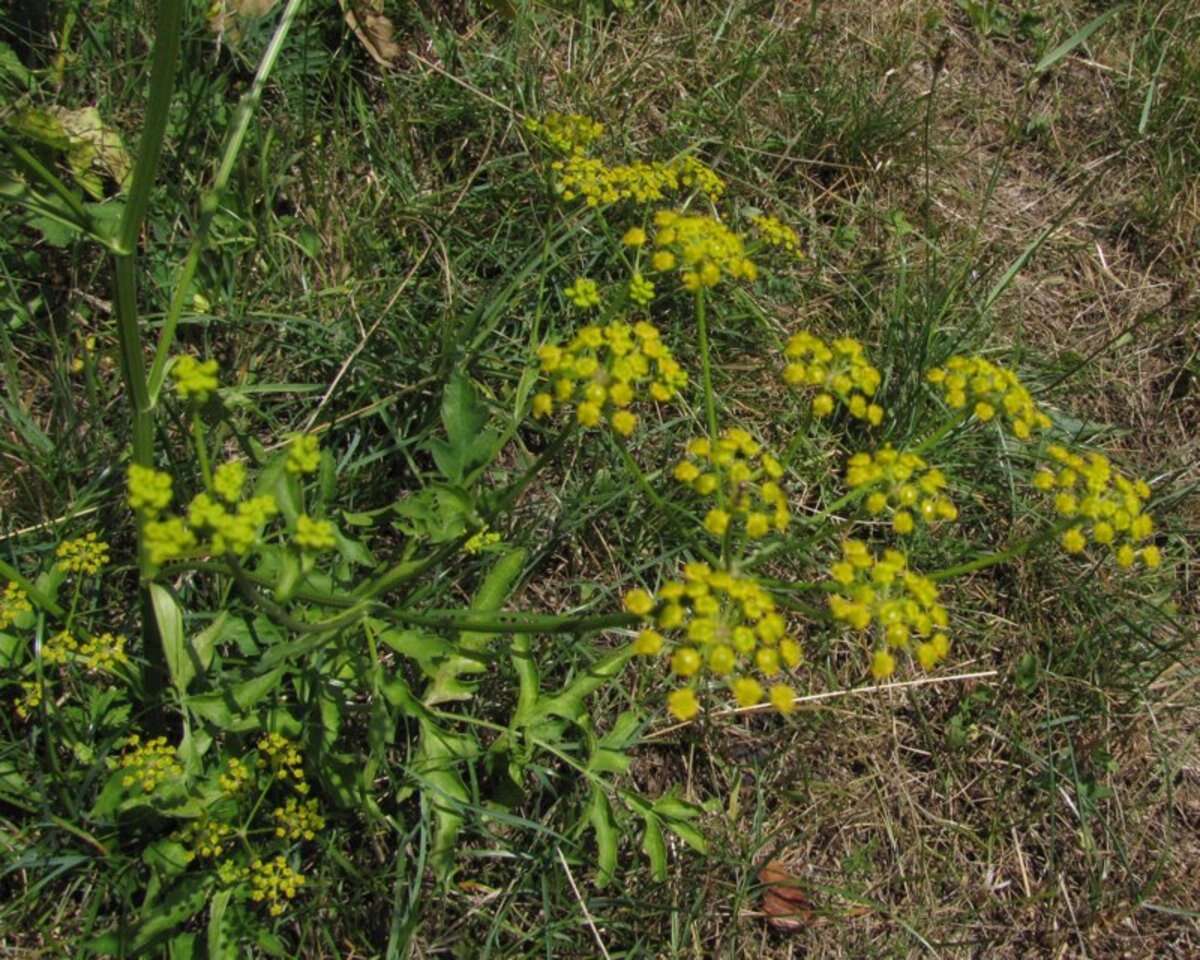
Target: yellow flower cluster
(903, 604)
(566, 132)
(583, 293)
(229, 479)
(31, 698)
(909, 487)
(701, 248)
(719, 623)
(990, 390)
(149, 489)
(1109, 507)
(295, 821)
(778, 234)
(86, 555)
(230, 532)
(273, 881)
(480, 541)
(102, 652)
(838, 369)
(205, 838)
(194, 379)
(149, 764)
(304, 454)
(283, 758)
(167, 540)
(744, 478)
(601, 370)
(235, 777)
(13, 604)
(596, 183)
(314, 534)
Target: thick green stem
(211, 200)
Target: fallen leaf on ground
(373, 29)
(785, 904)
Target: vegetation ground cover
(383, 260)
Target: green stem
(668, 510)
(211, 200)
(710, 401)
(198, 441)
(1018, 549)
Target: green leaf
(169, 618)
(168, 857)
(655, 847)
(464, 416)
(221, 939)
(11, 65)
(228, 708)
(427, 649)
(490, 597)
(443, 789)
(183, 901)
(1079, 36)
(568, 703)
(608, 754)
(600, 816)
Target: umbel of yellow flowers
(742, 477)
(718, 624)
(603, 371)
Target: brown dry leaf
(373, 29)
(784, 903)
(224, 15)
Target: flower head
(273, 882)
(148, 764)
(836, 370)
(714, 623)
(990, 391)
(778, 234)
(195, 379)
(570, 133)
(149, 489)
(742, 477)
(314, 534)
(13, 604)
(602, 371)
(1108, 507)
(86, 555)
(901, 606)
(701, 248)
(583, 293)
(229, 479)
(590, 179)
(900, 485)
(304, 454)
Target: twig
(582, 906)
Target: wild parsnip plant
(234, 688)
